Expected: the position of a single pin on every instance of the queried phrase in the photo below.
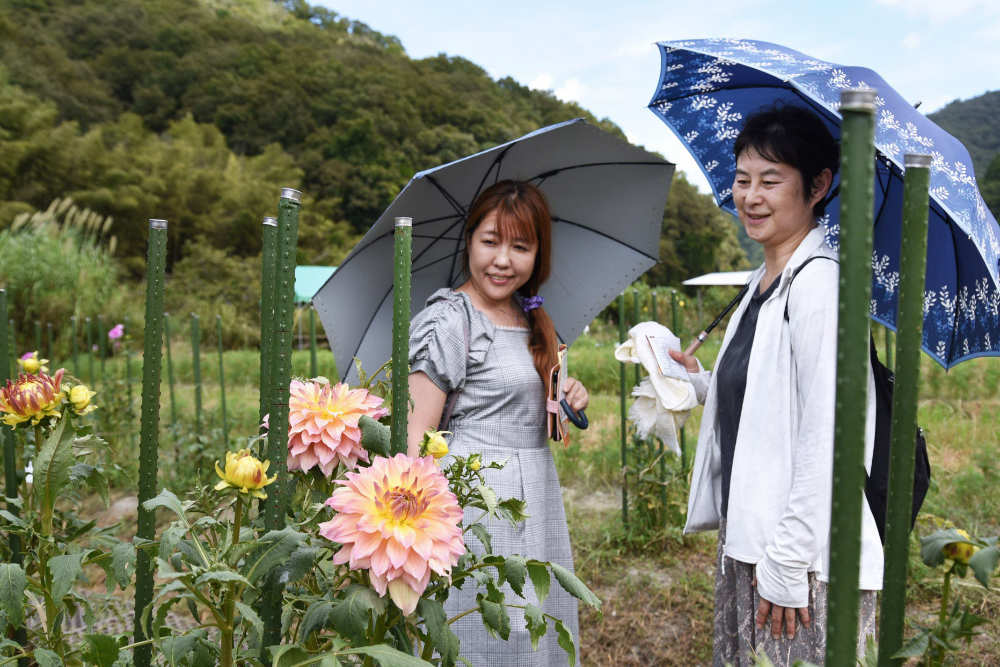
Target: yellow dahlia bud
(79, 397)
(30, 363)
(435, 444)
(475, 462)
(244, 472)
(960, 552)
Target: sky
(603, 54)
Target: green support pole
(170, 368)
(102, 348)
(89, 326)
(621, 410)
(149, 429)
(128, 364)
(38, 338)
(857, 108)
(12, 368)
(269, 253)
(73, 348)
(674, 327)
(222, 382)
(196, 371)
(49, 353)
(400, 329)
(909, 334)
(313, 361)
(280, 376)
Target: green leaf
(566, 641)
(514, 510)
(515, 571)
(168, 500)
(93, 477)
(102, 650)
(51, 466)
(489, 497)
(479, 530)
(439, 633)
(123, 563)
(574, 586)
(298, 565)
(221, 577)
(389, 657)
(932, 546)
(64, 570)
(13, 519)
(495, 617)
(12, 585)
(251, 617)
(290, 655)
(315, 618)
(278, 546)
(536, 624)
(170, 538)
(375, 436)
(177, 648)
(350, 616)
(914, 648)
(540, 579)
(984, 564)
(46, 658)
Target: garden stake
(280, 376)
(400, 333)
(268, 265)
(72, 339)
(102, 337)
(621, 409)
(857, 170)
(11, 363)
(673, 325)
(909, 326)
(48, 342)
(38, 338)
(196, 371)
(170, 368)
(128, 366)
(313, 364)
(89, 326)
(659, 452)
(149, 430)
(222, 382)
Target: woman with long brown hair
(490, 344)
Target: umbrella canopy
(706, 89)
(606, 197)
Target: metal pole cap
(292, 194)
(920, 160)
(157, 223)
(270, 222)
(403, 221)
(858, 99)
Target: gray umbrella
(606, 197)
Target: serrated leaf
(298, 565)
(514, 510)
(221, 577)
(489, 497)
(566, 641)
(386, 656)
(572, 584)
(479, 530)
(932, 546)
(168, 500)
(315, 618)
(278, 545)
(375, 436)
(914, 648)
(984, 564)
(102, 650)
(515, 571)
(51, 466)
(439, 633)
(495, 617)
(123, 563)
(94, 479)
(350, 616)
(64, 570)
(535, 621)
(12, 584)
(177, 648)
(250, 617)
(290, 655)
(13, 519)
(46, 658)
(540, 579)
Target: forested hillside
(199, 110)
(976, 122)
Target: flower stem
(229, 606)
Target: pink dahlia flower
(398, 520)
(323, 424)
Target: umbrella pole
(149, 441)
(857, 107)
(400, 332)
(909, 332)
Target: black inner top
(731, 386)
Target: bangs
(515, 220)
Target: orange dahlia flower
(31, 398)
(323, 424)
(398, 520)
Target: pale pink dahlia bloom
(323, 424)
(398, 520)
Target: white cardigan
(782, 478)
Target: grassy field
(657, 592)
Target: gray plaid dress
(500, 414)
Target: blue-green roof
(308, 280)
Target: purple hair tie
(529, 303)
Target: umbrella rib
(552, 172)
(391, 232)
(607, 236)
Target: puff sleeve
(437, 339)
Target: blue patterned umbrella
(707, 87)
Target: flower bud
(960, 552)
(475, 462)
(79, 396)
(244, 472)
(30, 363)
(435, 444)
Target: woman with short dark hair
(763, 471)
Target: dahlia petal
(403, 596)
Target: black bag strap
(798, 270)
(449, 406)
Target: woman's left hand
(576, 394)
(781, 618)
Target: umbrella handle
(696, 343)
(579, 419)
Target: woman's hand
(687, 360)
(576, 394)
(781, 617)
